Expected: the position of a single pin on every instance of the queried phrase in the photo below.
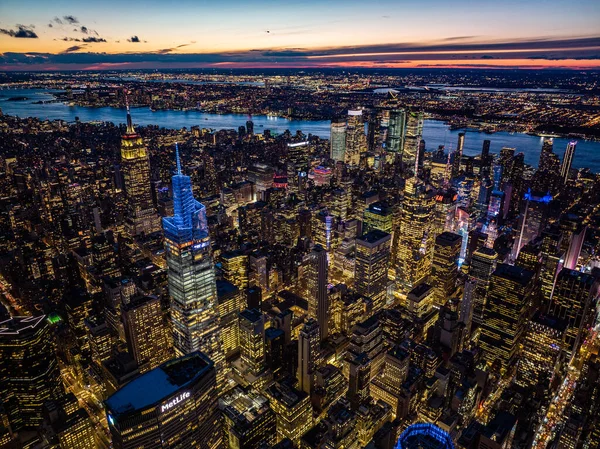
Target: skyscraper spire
(178, 160)
(130, 129)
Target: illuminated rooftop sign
(173, 402)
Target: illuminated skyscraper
(292, 409)
(356, 141)
(191, 275)
(29, 373)
(252, 340)
(415, 236)
(388, 386)
(146, 332)
(338, 141)
(445, 266)
(234, 266)
(532, 220)
(458, 155)
(371, 266)
(412, 139)
(249, 421)
(318, 300)
(486, 160)
(142, 217)
(545, 155)
(378, 216)
(543, 345)
(308, 355)
(231, 302)
(565, 167)
(396, 129)
(504, 317)
(575, 294)
(297, 165)
(174, 405)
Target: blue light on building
(424, 436)
(191, 275)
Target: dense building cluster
(214, 289)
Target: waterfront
(435, 132)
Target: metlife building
(172, 406)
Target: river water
(435, 132)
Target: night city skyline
(307, 225)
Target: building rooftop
(447, 238)
(514, 273)
(374, 236)
(226, 288)
(287, 395)
(20, 325)
(243, 406)
(160, 383)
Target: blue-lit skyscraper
(192, 286)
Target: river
(435, 132)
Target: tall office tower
(388, 386)
(445, 266)
(293, 411)
(574, 232)
(565, 167)
(458, 154)
(249, 421)
(297, 165)
(466, 310)
(505, 161)
(543, 345)
(412, 138)
(174, 405)
(234, 266)
(324, 231)
(532, 220)
(444, 211)
(146, 331)
(575, 294)
(395, 133)
(316, 280)
(505, 314)
(371, 266)
(359, 378)
(486, 159)
(545, 155)
(191, 276)
(252, 340)
(356, 141)
(497, 196)
(29, 374)
(341, 204)
(338, 142)
(308, 354)
(415, 236)
(231, 302)
(367, 337)
(250, 127)
(378, 216)
(142, 217)
(449, 330)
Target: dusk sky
(64, 34)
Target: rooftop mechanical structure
(424, 436)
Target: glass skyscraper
(191, 276)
